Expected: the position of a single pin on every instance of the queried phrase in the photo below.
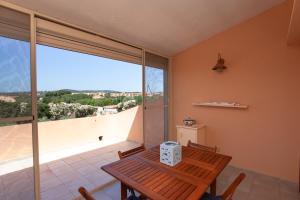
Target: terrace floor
(255, 187)
(61, 179)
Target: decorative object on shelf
(220, 67)
(222, 104)
(189, 121)
(170, 153)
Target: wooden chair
(131, 152)
(227, 195)
(126, 154)
(202, 147)
(85, 194)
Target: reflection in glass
(154, 103)
(154, 78)
(15, 98)
(16, 164)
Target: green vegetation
(21, 107)
(84, 99)
(66, 103)
(62, 104)
(43, 111)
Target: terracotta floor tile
(50, 183)
(264, 193)
(72, 159)
(267, 182)
(61, 179)
(113, 190)
(289, 189)
(102, 196)
(288, 196)
(13, 177)
(241, 195)
(57, 192)
(69, 176)
(87, 170)
(56, 164)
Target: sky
(62, 69)
(14, 65)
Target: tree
(44, 111)
(57, 93)
(107, 95)
(138, 99)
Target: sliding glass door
(108, 100)
(16, 147)
(155, 100)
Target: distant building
(100, 95)
(113, 109)
(9, 99)
(100, 111)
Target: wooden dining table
(189, 179)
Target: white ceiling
(165, 26)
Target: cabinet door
(186, 135)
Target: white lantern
(170, 153)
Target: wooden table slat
(187, 180)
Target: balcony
(71, 154)
(60, 179)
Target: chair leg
(213, 188)
(123, 191)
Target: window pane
(86, 104)
(16, 164)
(15, 90)
(155, 114)
(154, 103)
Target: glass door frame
(166, 94)
(33, 118)
(34, 107)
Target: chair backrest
(85, 194)
(202, 147)
(131, 151)
(227, 195)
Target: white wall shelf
(222, 105)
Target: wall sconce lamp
(220, 67)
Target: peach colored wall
(264, 73)
(154, 122)
(69, 133)
(294, 28)
(136, 130)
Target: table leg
(213, 188)
(123, 191)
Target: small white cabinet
(196, 133)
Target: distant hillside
(14, 93)
(69, 90)
(82, 91)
